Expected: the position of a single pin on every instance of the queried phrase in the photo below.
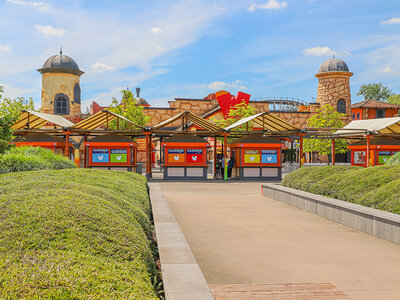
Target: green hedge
(75, 234)
(304, 178)
(32, 158)
(394, 160)
(377, 187)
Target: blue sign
(173, 151)
(194, 151)
(100, 156)
(269, 156)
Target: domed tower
(61, 92)
(334, 86)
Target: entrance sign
(194, 155)
(360, 157)
(119, 155)
(269, 156)
(251, 157)
(100, 155)
(176, 155)
(384, 156)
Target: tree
(326, 117)
(129, 108)
(394, 99)
(236, 113)
(375, 91)
(10, 110)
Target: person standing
(231, 163)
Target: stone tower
(334, 86)
(61, 92)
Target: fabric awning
(186, 117)
(383, 126)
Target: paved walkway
(239, 237)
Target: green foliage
(326, 117)
(130, 109)
(75, 234)
(377, 187)
(305, 178)
(394, 99)
(394, 160)
(375, 91)
(32, 158)
(10, 110)
(236, 113)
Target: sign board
(251, 157)
(360, 157)
(119, 156)
(383, 156)
(269, 156)
(194, 155)
(100, 155)
(176, 155)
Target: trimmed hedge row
(32, 158)
(75, 234)
(376, 187)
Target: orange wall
(356, 111)
(389, 112)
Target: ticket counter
(111, 152)
(54, 143)
(381, 149)
(185, 157)
(257, 157)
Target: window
(77, 93)
(341, 106)
(380, 113)
(358, 116)
(354, 116)
(61, 104)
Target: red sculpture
(227, 101)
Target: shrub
(75, 234)
(304, 178)
(394, 160)
(32, 158)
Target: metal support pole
(368, 149)
(333, 152)
(301, 150)
(215, 155)
(147, 154)
(84, 151)
(150, 155)
(66, 153)
(226, 158)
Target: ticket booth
(381, 149)
(257, 157)
(43, 140)
(185, 157)
(111, 152)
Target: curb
(181, 274)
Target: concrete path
(241, 238)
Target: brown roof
(374, 104)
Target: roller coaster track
(285, 104)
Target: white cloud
(161, 49)
(391, 21)
(49, 30)
(319, 51)
(5, 48)
(39, 5)
(220, 85)
(156, 30)
(387, 70)
(99, 67)
(270, 4)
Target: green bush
(304, 178)
(75, 234)
(377, 187)
(394, 160)
(20, 159)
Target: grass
(32, 158)
(377, 187)
(75, 234)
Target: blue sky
(193, 48)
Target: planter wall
(378, 223)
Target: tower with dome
(61, 91)
(334, 85)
